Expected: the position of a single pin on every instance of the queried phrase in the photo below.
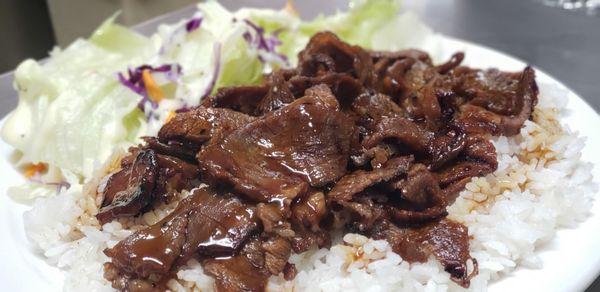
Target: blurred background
(562, 37)
(31, 28)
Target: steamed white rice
(541, 185)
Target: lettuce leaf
(72, 112)
(119, 39)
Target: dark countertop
(565, 44)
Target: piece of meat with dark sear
(250, 269)
(277, 251)
(279, 155)
(236, 273)
(307, 216)
(275, 219)
(351, 184)
(419, 188)
(256, 100)
(144, 177)
(447, 240)
(477, 159)
(390, 68)
(182, 150)
(244, 99)
(411, 79)
(344, 87)
(204, 223)
(199, 125)
(402, 130)
(174, 175)
(278, 96)
(305, 239)
(309, 210)
(325, 53)
(445, 147)
(451, 64)
(371, 108)
(365, 209)
(501, 102)
(129, 190)
(375, 156)
(435, 148)
(416, 198)
(419, 55)
(410, 196)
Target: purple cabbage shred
(193, 24)
(264, 44)
(135, 82)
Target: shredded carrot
(154, 92)
(33, 169)
(170, 116)
(289, 7)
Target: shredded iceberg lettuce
(71, 111)
(121, 40)
(105, 92)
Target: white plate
(570, 262)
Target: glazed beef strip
(277, 157)
(500, 103)
(357, 181)
(174, 175)
(252, 266)
(145, 176)
(130, 189)
(244, 99)
(200, 124)
(448, 241)
(204, 223)
(378, 142)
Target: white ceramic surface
(571, 261)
